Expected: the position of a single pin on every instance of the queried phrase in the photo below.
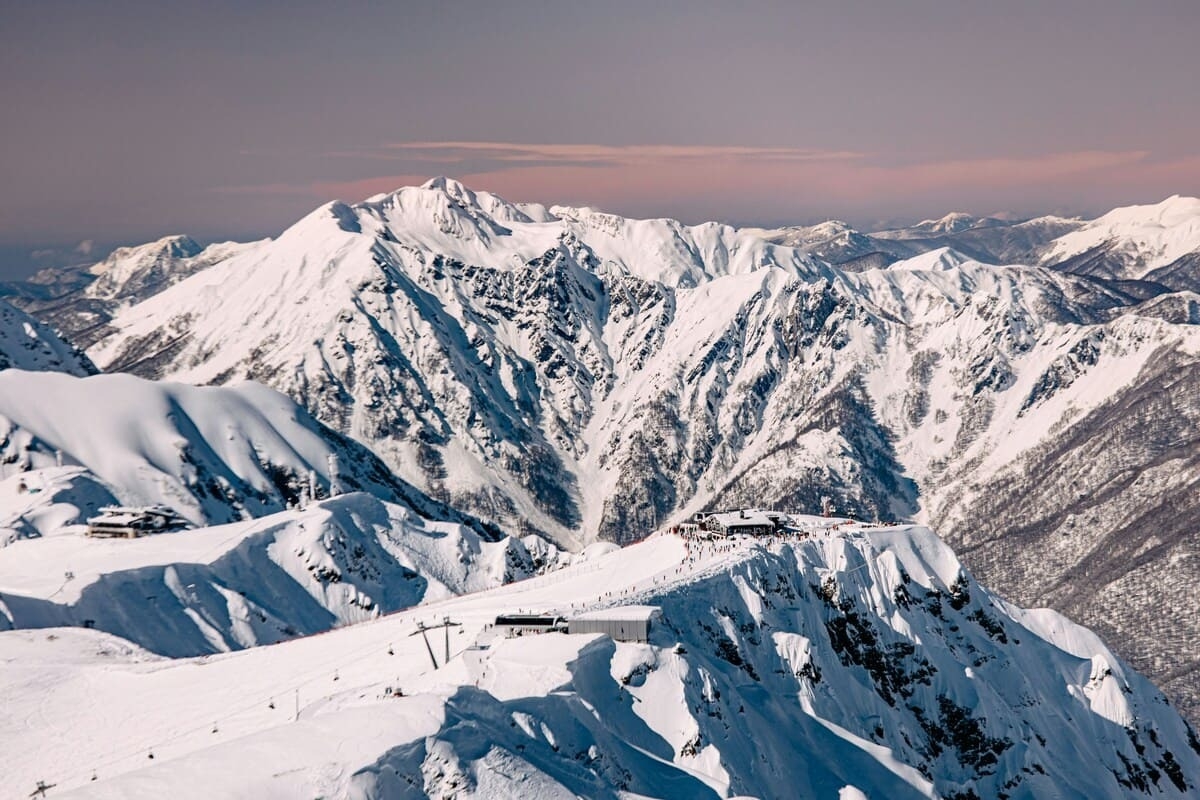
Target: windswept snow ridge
(213, 454)
(227, 587)
(1131, 242)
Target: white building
(746, 521)
(622, 623)
(130, 523)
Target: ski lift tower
(447, 625)
(424, 629)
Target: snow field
(562, 714)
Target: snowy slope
(845, 663)
(530, 371)
(989, 239)
(838, 243)
(1131, 242)
(289, 574)
(81, 300)
(942, 259)
(212, 454)
(49, 501)
(587, 376)
(26, 343)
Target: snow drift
(212, 454)
(289, 574)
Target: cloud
(64, 256)
(703, 181)
(597, 154)
(310, 188)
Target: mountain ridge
(836, 659)
(572, 373)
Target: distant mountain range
(1028, 388)
(82, 299)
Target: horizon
(230, 121)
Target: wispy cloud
(593, 154)
(708, 180)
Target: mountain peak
(953, 222)
(828, 229)
(26, 343)
(173, 246)
(943, 259)
(448, 185)
(1141, 238)
(1174, 210)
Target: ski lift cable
(314, 676)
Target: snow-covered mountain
(954, 222)
(988, 239)
(1009, 243)
(81, 300)
(289, 574)
(213, 454)
(837, 243)
(525, 368)
(468, 343)
(582, 375)
(28, 343)
(860, 662)
(1135, 243)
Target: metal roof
(637, 613)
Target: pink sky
(130, 120)
(715, 180)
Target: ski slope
(838, 659)
(278, 577)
